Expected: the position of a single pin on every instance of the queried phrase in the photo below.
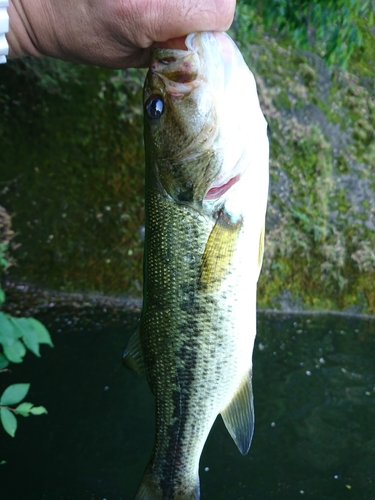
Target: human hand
(111, 33)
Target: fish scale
(191, 334)
(201, 263)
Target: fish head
(202, 117)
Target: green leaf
(2, 296)
(14, 350)
(6, 328)
(14, 394)
(41, 331)
(3, 262)
(3, 361)
(38, 410)
(9, 421)
(3, 462)
(25, 327)
(24, 409)
(371, 19)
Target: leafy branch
(16, 336)
(11, 396)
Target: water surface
(314, 390)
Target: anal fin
(238, 416)
(132, 356)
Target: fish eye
(154, 107)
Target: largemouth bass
(206, 191)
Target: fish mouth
(216, 192)
(176, 64)
(179, 62)
(228, 177)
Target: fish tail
(153, 489)
(148, 490)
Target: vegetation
(334, 28)
(16, 335)
(320, 236)
(12, 395)
(73, 178)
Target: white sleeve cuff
(4, 28)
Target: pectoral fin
(238, 416)
(132, 356)
(217, 256)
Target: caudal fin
(152, 489)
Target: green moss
(307, 73)
(74, 183)
(320, 248)
(342, 164)
(282, 100)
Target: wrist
(20, 34)
(48, 28)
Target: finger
(173, 43)
(177, 18)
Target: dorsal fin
(217, 256)
(238, 416)
(132, 356)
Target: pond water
(314, 390)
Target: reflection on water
(314, 387)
